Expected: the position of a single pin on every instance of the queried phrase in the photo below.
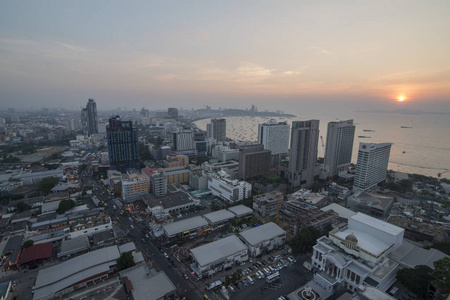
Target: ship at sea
(368, 130)
(405, 127)
(364, 137)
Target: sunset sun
(401, 98)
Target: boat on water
(404, 152)
(364, 137)
(368, 130)
(405, 127)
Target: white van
(250, 280)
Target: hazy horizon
(334, 55)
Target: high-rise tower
(338, 151)
(217, 129)
(303, 153)
(372, 164)
(122, 145)
(89, 118)
(275, 137)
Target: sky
(274, 54)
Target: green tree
(65, 205)
(441, 275)
(305, 240)
(21, 207)
(28, 243)
(441, 246)
(125, 261)
(416, 280)
(47, 184)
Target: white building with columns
(357, 255)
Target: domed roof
(351, 238)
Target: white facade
(372, 164)
(358, 254)
(229, 190)
(338, 151)
(274, 136)
(263, 238)
(215, 256)
(183, 141)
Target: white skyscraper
(372, 164)
(275, 137)
(338, 151)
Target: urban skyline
(382, 55)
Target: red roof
(149, 171)
(39, 251)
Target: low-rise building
(358, 254)
(374, 205)
(143, 283)
(266, 205)
(262, 239)
(241, 211)
(186, 228)
(218, 255)
(172, 203)
(75, 273)
(229, 190)
(219, 217)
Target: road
(149, 249)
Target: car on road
(186, 277)
(165, 255)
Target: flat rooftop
(262, 233)
(183, 225)
(365, 241)
(145, 285)
(376, 223)
(219, 216)
(218, 250)
(170, 200)
(343, 212)
(240, 210)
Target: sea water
(422, 148)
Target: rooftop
(39, 251)
(340, 210)
(145, 285)
(262, 233)
(219, 216)
(215, 251)
(183, 225)
(240, 210)
(378, 224)
(365, 241)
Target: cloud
(71, 47)
(416, 77)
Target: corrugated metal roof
(262, 233)
(215, 251)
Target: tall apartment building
(183, 140)
(254, 161)
(274, 136)
(172, 112)
(371, 167)
(338, 151)
(89, 118)
(135, 185)
(217, 129)
(303, 153)
(122, 145)
(159, 185)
